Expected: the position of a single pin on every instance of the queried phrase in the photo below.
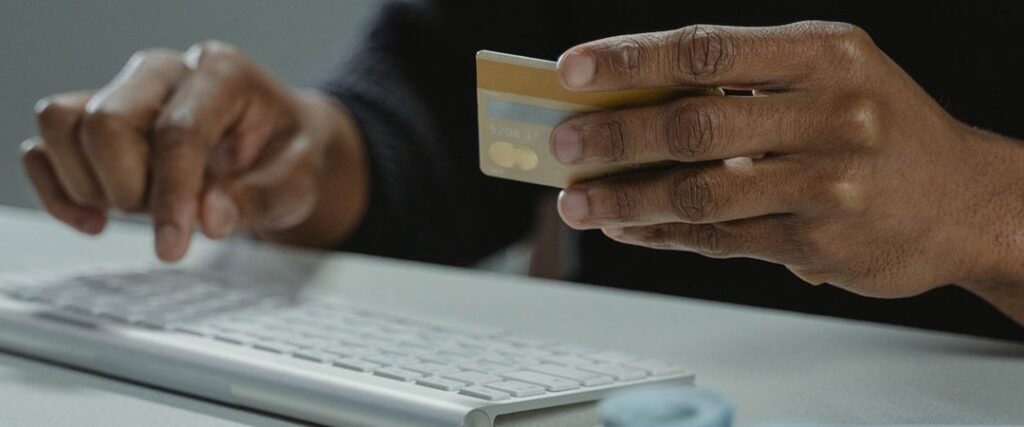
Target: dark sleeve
(411, 88)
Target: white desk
(776, 366)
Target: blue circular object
(666, 407)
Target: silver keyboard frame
(247, 377)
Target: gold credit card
(519, 102)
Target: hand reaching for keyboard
(201, 137)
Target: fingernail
(568, 147)
(573, 205)
(577, 69)
(167, 236)
(223, 214)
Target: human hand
(203, 137)
(839, 166)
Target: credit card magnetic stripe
(525, 113)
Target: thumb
(261, 200)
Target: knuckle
(614, 203)
(218, 50)
(852, 33)
(625, 56)
(709, 241)
(849, 42)
(625, 206)
(604, 140)
(165, 64)
(658, 236)
(861, 122)
(690, 129)
(150, 55)
(704, 51)
(693, 198)
(217, 57)
(52, 114)
(31, 148)
(848, 194)
(173, 130)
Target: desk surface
(776, 366)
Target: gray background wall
(50, 46)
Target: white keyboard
(468, 360)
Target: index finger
(709, 55)
(205, 105)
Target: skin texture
(839, 167)
(201, 138)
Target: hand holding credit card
(519, 102)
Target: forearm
(342, 181)
(1000, 260)
(409, 88)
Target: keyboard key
(232, 338)
(496, 357)
(612, 357)
(551, 383)
(432, 368)
(159, 320)
(481, 392)
(398, 373)
(509, 359)
(275, 347)
(655, 367)
(487, 367)
(236, 326)
(588, 379)
(447, 358)
(470, 377)
(314, 355)
(379, 344)
(416, 352)
(356, 364)
(619, 372)
(298, 341)
(193, 329)
(125, 315)
(391, 359)
(441, 383)
(517, 388)
(349, 350)
(567, 360)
